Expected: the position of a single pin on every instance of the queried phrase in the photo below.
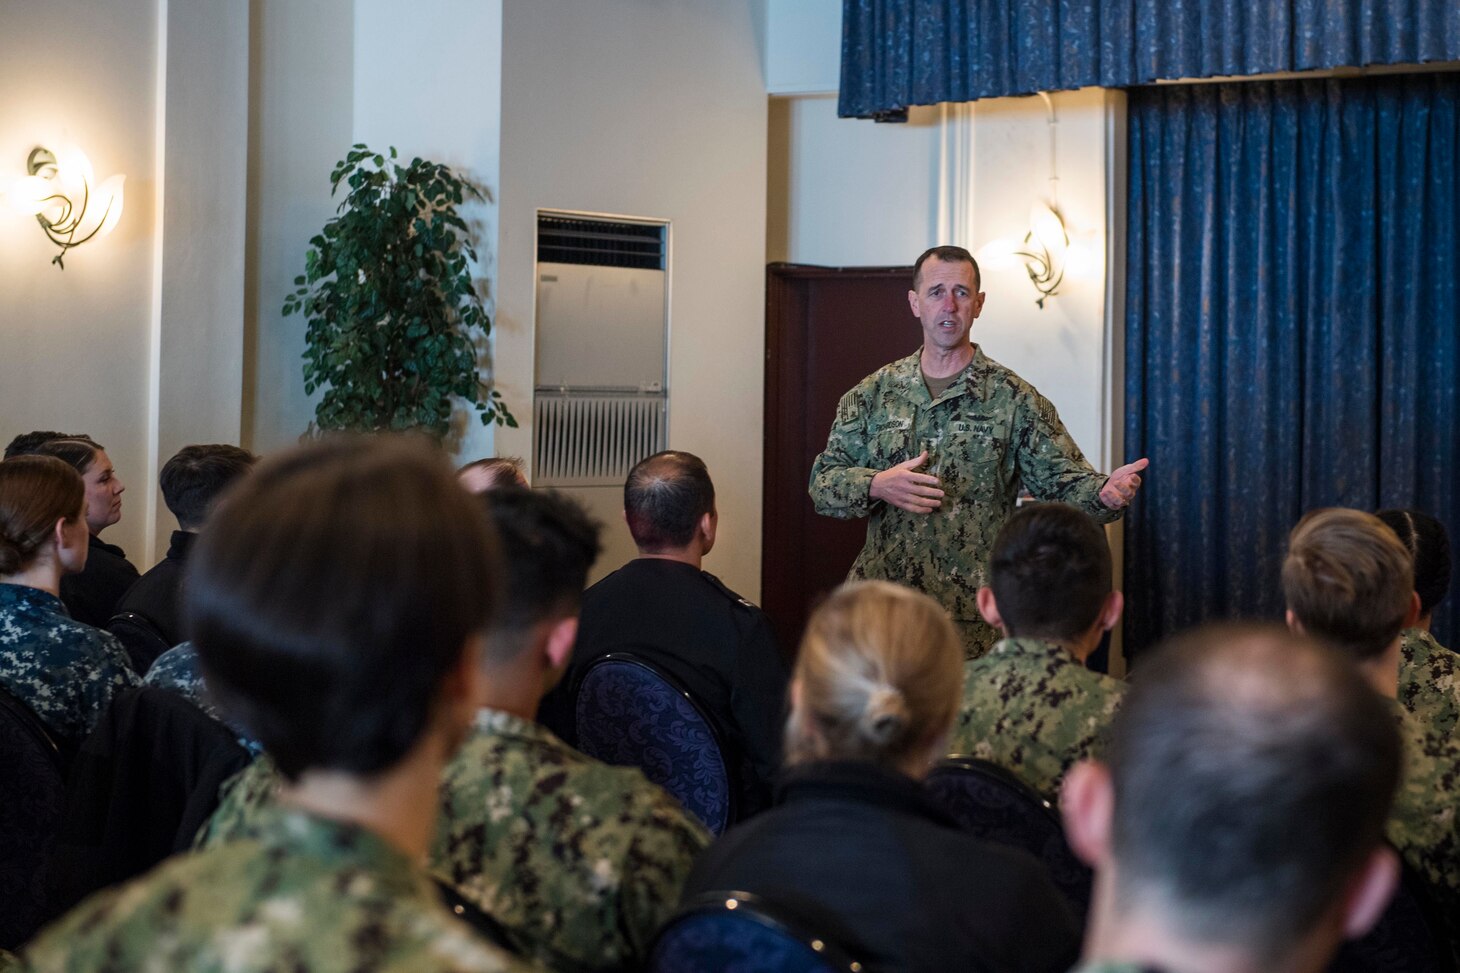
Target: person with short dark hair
(28, 442)
(92, 595)
(1030, 705)
(1349, 583)
(1429, 673)
(339, 601)
(191, 482)
(64, 670)
(663, 607)
(580, 862)
(935, 448)
(1237, 822)
(856, 846)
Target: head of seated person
(104, 487)
(1237, 823)
(338, 603)
(492, 473)
(548, 545)
(1429, 545)
(28, 443)
(669, 504)
(194, 478)
(43, 529)
(878, 680)
(1349, 582)
(1050, 579)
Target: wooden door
(826, 329)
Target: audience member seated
(1237, 824)
(855, 844)
(177, 670)
(1030, 705)
(1349, 583)
(484, 475)
(64, 670)
(28, 442)
(92, 595)
(360, 697)
(190, 482)
(1429, 673)
(663, 608)
(579, 861)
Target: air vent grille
(601, 243)
(588, 439)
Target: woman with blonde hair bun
(65, 671)
(856, 847)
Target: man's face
(946, 303)
(103, 494)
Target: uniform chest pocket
(973, 449)
(890, 441)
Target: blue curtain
(897, 53)
(1291, 327)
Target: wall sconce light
(59, 191)
(1045, 250)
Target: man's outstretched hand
(914, 492)
(1122, 485)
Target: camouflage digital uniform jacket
(1113, 966)
(993, 432)
(1423, 823)
(65, 671)
(579, 861)
(1033, 708)
(1429, 683)
(307, 895)
(177, 670)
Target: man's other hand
(914, 492)
(1120, 489)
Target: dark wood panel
(826, 329)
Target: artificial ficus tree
(394, 315)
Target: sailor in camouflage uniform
(976, 430)
(66, 672)
(1216, 838)
(177, 670)
(361, 698)
(580, 862)
(1429, 673)
(1030, 705)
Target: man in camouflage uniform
(1220, 843)
(66, 672)
(1030, 705)
(580, 862)
(1349, 583)
(361, 697)
(977, 431)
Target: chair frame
(717, 734)
(758, 910)
(34, 725)
(968, 762)
(147, 626)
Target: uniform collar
(290, 832)
(909, 373)
(24, 596)
(1030, 648)
(182, 542)
(861, 782)
(97, 544)
(500, 723)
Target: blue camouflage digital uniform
(179, 671)
(66, 672)
(993, 433)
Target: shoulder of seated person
(728, 592)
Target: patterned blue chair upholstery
(34, 792)
(735, 932)
(1408, 938)
(994, 804)
(631, 714)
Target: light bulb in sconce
(1043, 251)
(60, 191)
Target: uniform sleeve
(1052, 467)
(660, 858)
(111, 675)
(841, 480)
(758, 701)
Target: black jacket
(157, 595)
(869, 856)
(686, 622)
(92, 596)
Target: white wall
(653, 109)
(137, 341)
(803, 46)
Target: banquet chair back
(996, 805)
(630, 713)
(143, 642)
(736, 932)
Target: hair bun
(886, 715)
(12, 558)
